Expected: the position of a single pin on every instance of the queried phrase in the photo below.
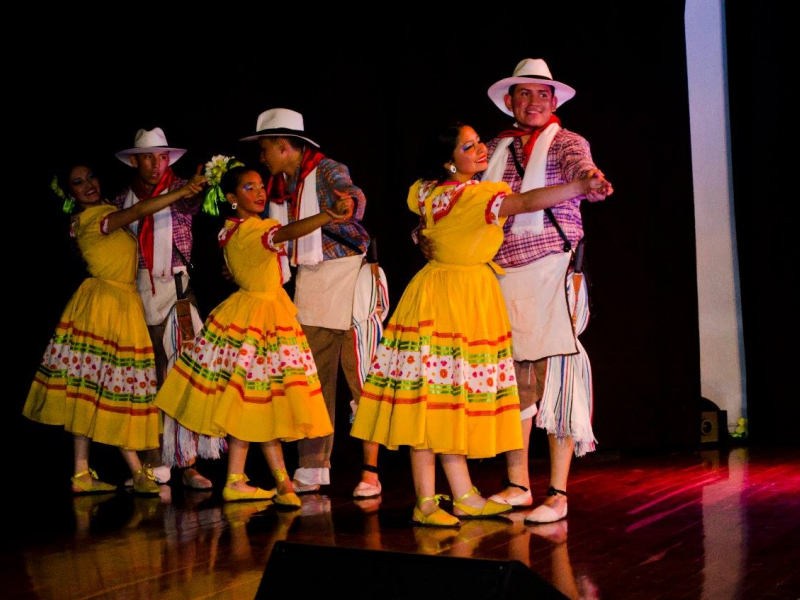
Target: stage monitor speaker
(301, 570)
(713, 426)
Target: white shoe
(367, 490)
(522, 500)
(309, 479)
(162, 474)
(546, 514)
(304, 488)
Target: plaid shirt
(568, 159)
(182, 212)
(331, 176)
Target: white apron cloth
(158, 305)
(324, 292)
(536, 298)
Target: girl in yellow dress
(97, 377)
(443, 378)
(250, 374)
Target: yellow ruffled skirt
(250, 374)
(443, 377)
(97, 377)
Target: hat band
(536, 77)
(282, 131)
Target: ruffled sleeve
(92, 220)
(267, 238)
(250, 233)
(496, 191)
(413, 197)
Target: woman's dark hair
(63, 173)
(230, 180)
(439, 151)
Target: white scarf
(535, 176)
(309, 247)
(162, 237)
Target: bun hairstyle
(439, 151)
(230, 180)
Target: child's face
(251, 195)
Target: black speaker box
(305, 571)
(713, 426)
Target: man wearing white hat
(165, 248)
(538, 255)
(304, 182)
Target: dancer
(97, 378)
(304, 181)
(443, 380)
(250, 374)
(165, 249)
(538, 254)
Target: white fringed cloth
(568, 402)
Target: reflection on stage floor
(710, 524)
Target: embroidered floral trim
(225, 234)
(443, 202)
(493, 208)
(104, 225)
(269, 244)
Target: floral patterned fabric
(250, 372)
(443, 377)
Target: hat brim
(281, 132)
(174, 153)
(498, 91)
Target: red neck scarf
(276, 186)
(146, 225)
(517, 132)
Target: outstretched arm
(141, 209)
(341, 210)
(542, 198)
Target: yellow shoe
(289, 499)
(437, 518)
(490, 509)
(230, 494)
(94, 486)
(239, 513)
(144, 482)
(435, 540)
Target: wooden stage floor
(713, 524)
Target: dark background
(370, 99)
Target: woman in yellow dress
(443, 378)
(250, 374)
(97, 376)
